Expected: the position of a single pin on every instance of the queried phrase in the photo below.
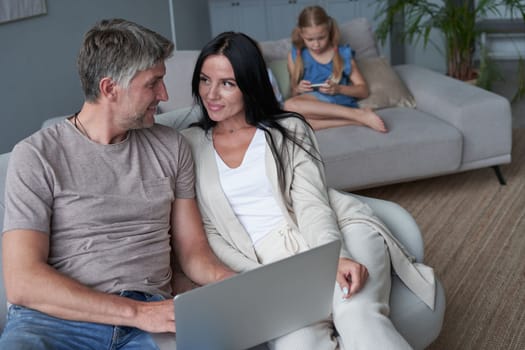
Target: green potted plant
(455, 19)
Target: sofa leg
(499, 175)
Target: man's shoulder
(195, 131)
(162, 137)
(45, 139)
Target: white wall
(38, 77)
(432, 56)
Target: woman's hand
(351, 276)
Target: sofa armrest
(483, 118)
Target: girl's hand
(351, 276)
(330, 88)
(304, 86)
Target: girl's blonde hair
(315, 16)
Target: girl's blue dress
(316, 72)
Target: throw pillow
(275, 49)
(359, 35)
(275, 86)
(280, 71)
(386, 88)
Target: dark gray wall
(192, 24)
(38, 78)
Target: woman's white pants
(361, 321)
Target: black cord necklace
(80, 126)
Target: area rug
(474, 234)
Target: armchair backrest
(4, 158)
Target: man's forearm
(32, 283)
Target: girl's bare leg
(322, 115)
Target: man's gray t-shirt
(106, 208)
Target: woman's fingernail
(345, 290)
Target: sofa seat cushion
(416, 145)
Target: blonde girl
(325, 80)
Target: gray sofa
(418, 324)
(453, 127)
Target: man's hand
(156, 316)
(351, 276)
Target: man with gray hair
(101, 209)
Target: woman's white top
(249, 191)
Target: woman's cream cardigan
(318, 213)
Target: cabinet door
(251, 15)
(342, 10)
(222, 16)
(282, 16)
(346, 10)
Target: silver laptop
(259, 305)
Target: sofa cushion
(386, 88)
(275, 49)
(359, 35)
(179, 118)
(280, 71)
(417, 145)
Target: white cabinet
(281, 16)
(247, 16)
(345, 10)
(275, 19)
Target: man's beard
(139, 121)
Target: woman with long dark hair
(262, 193)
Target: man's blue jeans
(30, 329)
